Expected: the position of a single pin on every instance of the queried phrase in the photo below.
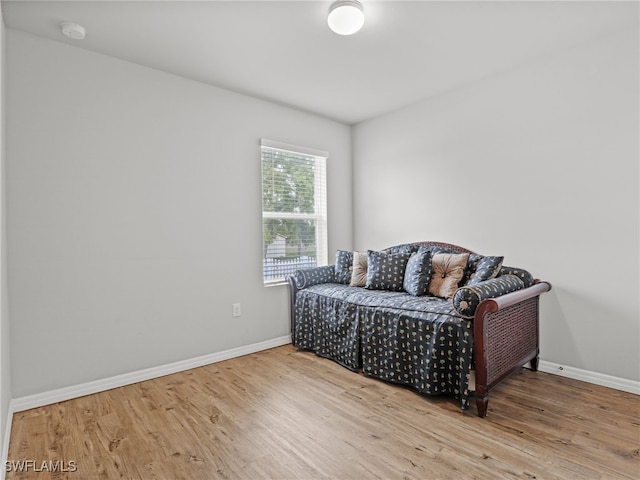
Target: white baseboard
(46, 398)
(601, 379)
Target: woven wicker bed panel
(510, 339)
(448, 246)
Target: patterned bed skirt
(390, 337)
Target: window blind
(294, 209)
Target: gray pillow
(343, 267)
(385, 271)
(466, 299)
(418, 273)
(486, 269)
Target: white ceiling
(284, 51)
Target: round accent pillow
(466, 299)
(305, 277)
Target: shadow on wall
(575, 325)
(555, 331)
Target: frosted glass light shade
(346, 17)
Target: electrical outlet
(235, 309)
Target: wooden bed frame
(505, 329)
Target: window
(294, 209)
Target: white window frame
(320, 201)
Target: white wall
(5, 356)
(134, 214)
(539, 165)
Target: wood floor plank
(286, 414)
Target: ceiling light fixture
(346, 17)
(73, 30)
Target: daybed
(424, 315)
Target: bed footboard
(293, 290)
(506, 336)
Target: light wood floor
(284, 414)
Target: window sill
(276, 283)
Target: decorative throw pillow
(386, 271)
(486, 269)
(418, 272)
(472, 264)
(522, 274)
(466, 299)
(448, 270)
(305, 277)
(344, 265)
(359, 273)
